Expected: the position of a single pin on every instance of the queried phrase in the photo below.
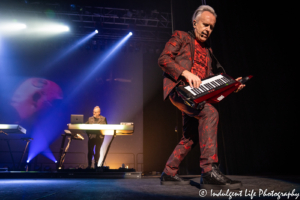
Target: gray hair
(201, 9)
(97, 107)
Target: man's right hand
(193, 80)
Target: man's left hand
(241, 86)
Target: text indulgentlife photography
(249, 193)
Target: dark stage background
(258, 126)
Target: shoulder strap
(217, 67)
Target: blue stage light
(96, 31)
(48, 153)
(0, 48)
(98, 64)
(40, 144)
(44, 137)
(27, 161)
(56, 161)
(66, 51)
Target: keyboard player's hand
(241, 86)
(193, 80)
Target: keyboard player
(95, 137)
(186, 59)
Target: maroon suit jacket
(178, 55)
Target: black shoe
(214, 179)
(172, 180)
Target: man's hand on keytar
(192, 79)
(195, 81)
(241, 86)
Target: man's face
(96, 112)
(204, 25)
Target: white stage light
(12, 27)
(54, 29)
(58, 28)
(96, 31)
(130, 33)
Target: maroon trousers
(198, 126)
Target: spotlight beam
(41, 144)
(53, 29)
(103, 60)
(48, 153)
(12, 27)
(44, 137)
(65, 52)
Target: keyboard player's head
(97, 112)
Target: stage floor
(144, 188)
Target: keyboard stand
(27, 140)
(63, 151)
(108, 147)
(12, 158)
